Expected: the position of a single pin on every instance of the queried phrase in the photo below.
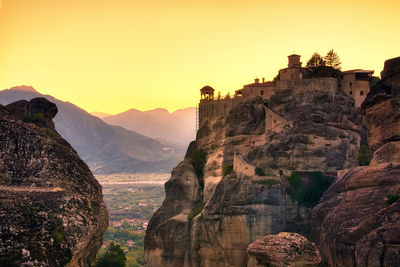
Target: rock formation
(357, 220)
(51, 207)
(283, 249)
(210, 221)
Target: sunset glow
(112, 55)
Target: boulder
(51, 207)
(283, 249)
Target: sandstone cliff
(51, 207)
(211, 222)
(357, 220)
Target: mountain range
(105, 148)
(177, 127)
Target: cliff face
(357, 220)
(51, 207)
(325, 132)
(310, 132)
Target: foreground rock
(283, 249)
(51, 207)
(357, 222)
(354, 225)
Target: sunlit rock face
(51, 207)
(382, 114)
(325, 132)
(321, 132)
(356, 222)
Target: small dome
(207, 89)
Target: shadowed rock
(39, 111)
(51, 207)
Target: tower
(294, 61)
(207, 93)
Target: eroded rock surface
(283, 249)
(357, 220)
(322, 132)
(51, 207)
(354, 225)
(325, 134)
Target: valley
(131, 200)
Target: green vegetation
(316, 60)
(332, 60)
(308, 194)
(58, 237)
(199, 158)
(322, 71)
(267, 182)
(227, 169)
(198, 207)
(391, 199)
(319, 102)
(113, 256)
(295, 186)
(258, 171)
(364, 156)
(374, 80)
(130, 197)
(36, 118)
(327, 66)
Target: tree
(114, 256)
(316, 60)
(364, 156)
(332, 60)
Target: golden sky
(112, 55)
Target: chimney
(256, 80)
(263, 80)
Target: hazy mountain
(105, 148)
(100, 114)
(178, 127)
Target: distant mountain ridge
(177, 127)
(105, 148)
(100, 114)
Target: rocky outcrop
(38, 110)
(354, 225)
(212, 224)
(357, 220)
(167, 233)
(325, 134)
(382, 113)
(283, 249)
(51, 207)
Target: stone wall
(218, 108)
(274, 122)
(307, 85)
(291, 74)
(357, 89)
(263, 90)
(242, 168)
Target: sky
(113, 55)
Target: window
(351, 84)
(262, 92)
(361, 93)
(351, 92)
